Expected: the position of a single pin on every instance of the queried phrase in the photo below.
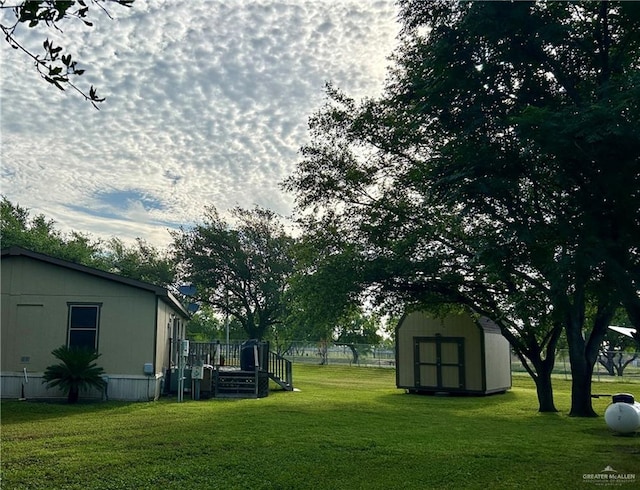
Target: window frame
(96, 329)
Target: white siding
(125, 388)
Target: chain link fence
(612, 365)
(341, 354)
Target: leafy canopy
(241, 269)
(54, 65)
(499, 170)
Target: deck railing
(229, 355)
(282, 369)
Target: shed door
(439, 362)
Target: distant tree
(53, 65)
(205, 326)
(358, 331)
(322, 290)
(618, 351)
(614, 360)
(76, 371)
(286, 338)
(141, 261)
(39, 234)
(238, 269)
(323, 303)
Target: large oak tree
(239, 268)
(499, 170)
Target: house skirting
(119, 387)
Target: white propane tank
(623, 415)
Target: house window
(83, 326)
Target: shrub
(77, 371)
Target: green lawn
(346, 428)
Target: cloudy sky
(207, 104)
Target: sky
(207, 105)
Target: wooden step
(240, 384)
(286, 386)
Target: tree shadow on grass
(19, 411)
(447, 399)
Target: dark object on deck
(248, 356)
(244, 373)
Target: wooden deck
(231, 378)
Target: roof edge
(162, 292)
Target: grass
(346, 428)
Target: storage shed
(455, 354)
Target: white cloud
(207, 104)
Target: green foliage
(358, 331)
(39, 234)
(53, 65)
(76, 371)
(205, 326)
(345, 428)
(208, 326)
(323, 289)
(241, 269)
(483, 175)
(357, 327)
(141, 261)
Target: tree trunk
(252, 330)
(354, 352)
(540, 371)
(74, 394)
(529, 351)
(581, 374)
(544, 389)
(581, 370)
(323, 352)
(583, 354)
(607, 361)
(620, 367)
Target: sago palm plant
(77, 371)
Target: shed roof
(163, 293)
(485, 324)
